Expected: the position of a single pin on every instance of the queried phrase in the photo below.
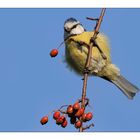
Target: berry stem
(63, 106)
(63, 111)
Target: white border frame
(69, 3)
(70, 136)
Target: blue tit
(76, 41)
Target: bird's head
(72, 27)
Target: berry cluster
(60, 119)
(75, 112)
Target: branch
(86, 71)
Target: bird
(77, 40)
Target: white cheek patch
(69, 25)
(78, 30)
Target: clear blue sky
(32, 84)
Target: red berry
(56, 115)
(70, 109)
(79, 112)
(88, 116)
(60, 120)
(76, 106)
(53, 52)
(63, 118)
(64, 124)
(44, 120)
(84, 117)
(78, 124)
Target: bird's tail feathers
(125, 86)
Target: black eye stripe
(74, 26)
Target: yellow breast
(76, 54)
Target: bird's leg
(80, 43)
(98, 47)
(85, 71)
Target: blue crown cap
(71, 20)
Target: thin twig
(86, 72)
(87, 127)
(89, 18)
